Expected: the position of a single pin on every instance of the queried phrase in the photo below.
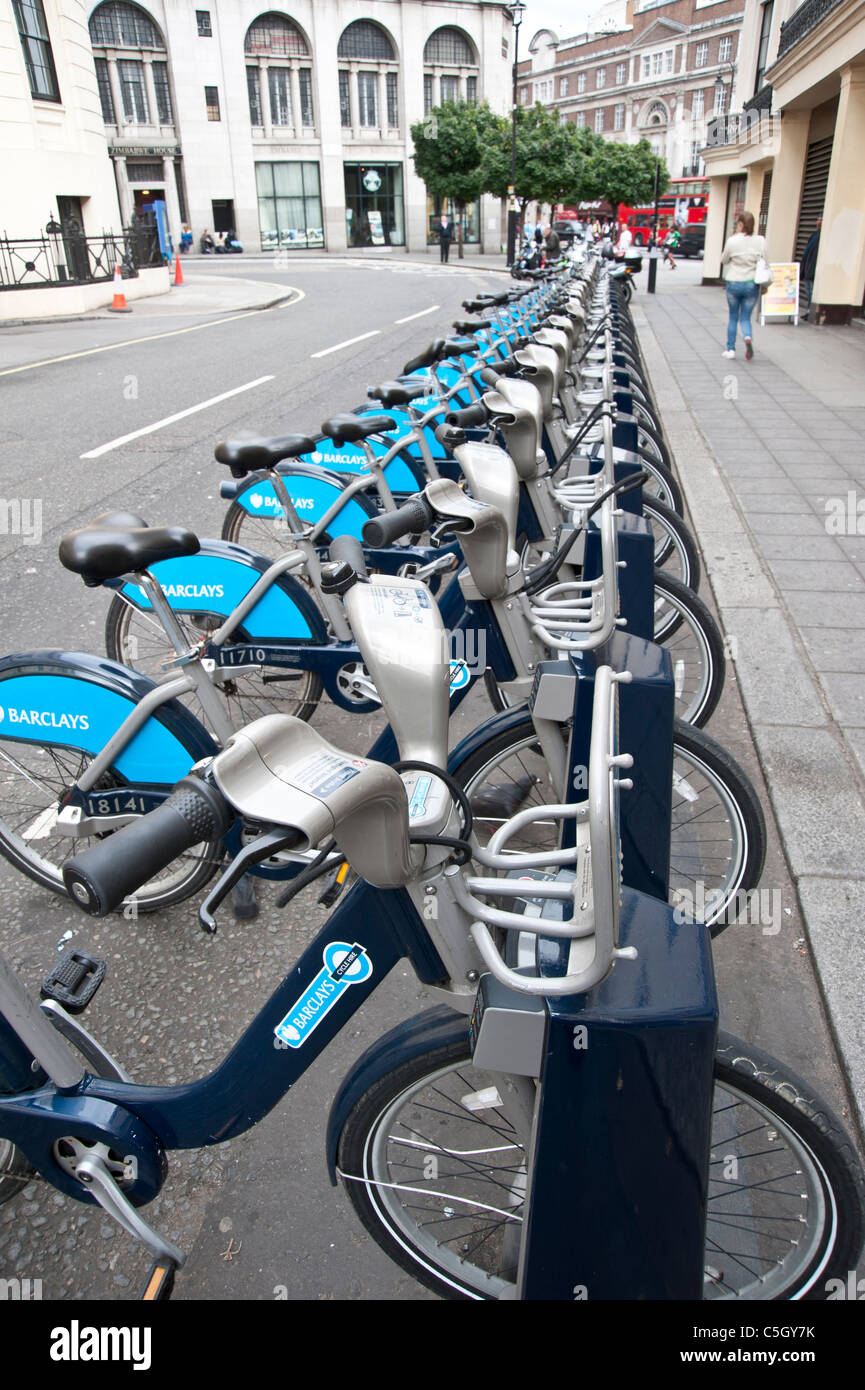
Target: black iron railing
(802, 21)
(760, 101)
(63, 255)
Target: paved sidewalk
(771, 455)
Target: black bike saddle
(245, 456)
(101, 552)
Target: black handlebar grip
(469, 417)
(348, 550)
(412, 518)
(99, 878)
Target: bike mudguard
(216, 580)
(313, 490)
(71, 700)
(400, 474)
(438, 1027)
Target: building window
(721, 95)
(657, 63)
(600, 78)
(526, 95)
(163, 94)
(307, 114)
(621, 73)
(211, 101)
(118, 25)
(344, 99)
(563, 86)
(580, 119)
(449, 48)
(367, 95)
(145, 171)
(131, 74)
(657, 114)
(668, 59)
(581, 82)
(253, 87)
(763, 51)
(36, 45)
(202, 19)
(543, 90)
(724, 48)
(374, 204)
(365, 40)
(698, 105)
(647, 66)
(427, 92)
(450, 89)
(599, 119)
(289, 206)
(392, 101)
(106, 100)
(472, 91)
(619, 117)
(274, 36)
(279, 87)
(701, 55)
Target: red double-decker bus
(685, 201)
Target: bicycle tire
(718, 834)
(677, 540)
(683, 622)
(428, 1235)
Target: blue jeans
(742, 295)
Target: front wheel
(437, 1173)
(718, 833)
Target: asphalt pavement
(108, 413)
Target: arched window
(278, 76)
(449, 48)
(120, 25)
(134, 88)
(366, 41)
(274, 36)
(657, 114)
(368, 79)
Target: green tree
(624, 173)
(448, 154)
(553, 163)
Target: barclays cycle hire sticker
(344, 966)
(460, 675)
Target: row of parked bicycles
(567, 1121)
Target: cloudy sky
(564, 17)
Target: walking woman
(740, 255)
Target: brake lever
(450, 527)
(262, 847)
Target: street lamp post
(720, 88)
(516, 10)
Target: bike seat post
(375, 467)
(299, 536)
(187, 655)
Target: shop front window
(289, 206)
(471, 220)
(374, 212)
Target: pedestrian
(185, 238)
(740, 255)
(207, 246)
(553, 244)
(445, 231)
(625, 238)
(674, 237)
(809, 262)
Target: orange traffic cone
(118, 305)
(178, 273)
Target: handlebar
(99, 878)
(470, 417)
(412, 518)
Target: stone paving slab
(771, 457)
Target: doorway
(223, 214)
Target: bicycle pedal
(74, 981)
(160, 1282)
(335, 884)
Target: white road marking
(348, 342)
(430, 310)
(170, 419)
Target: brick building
(653, 77)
